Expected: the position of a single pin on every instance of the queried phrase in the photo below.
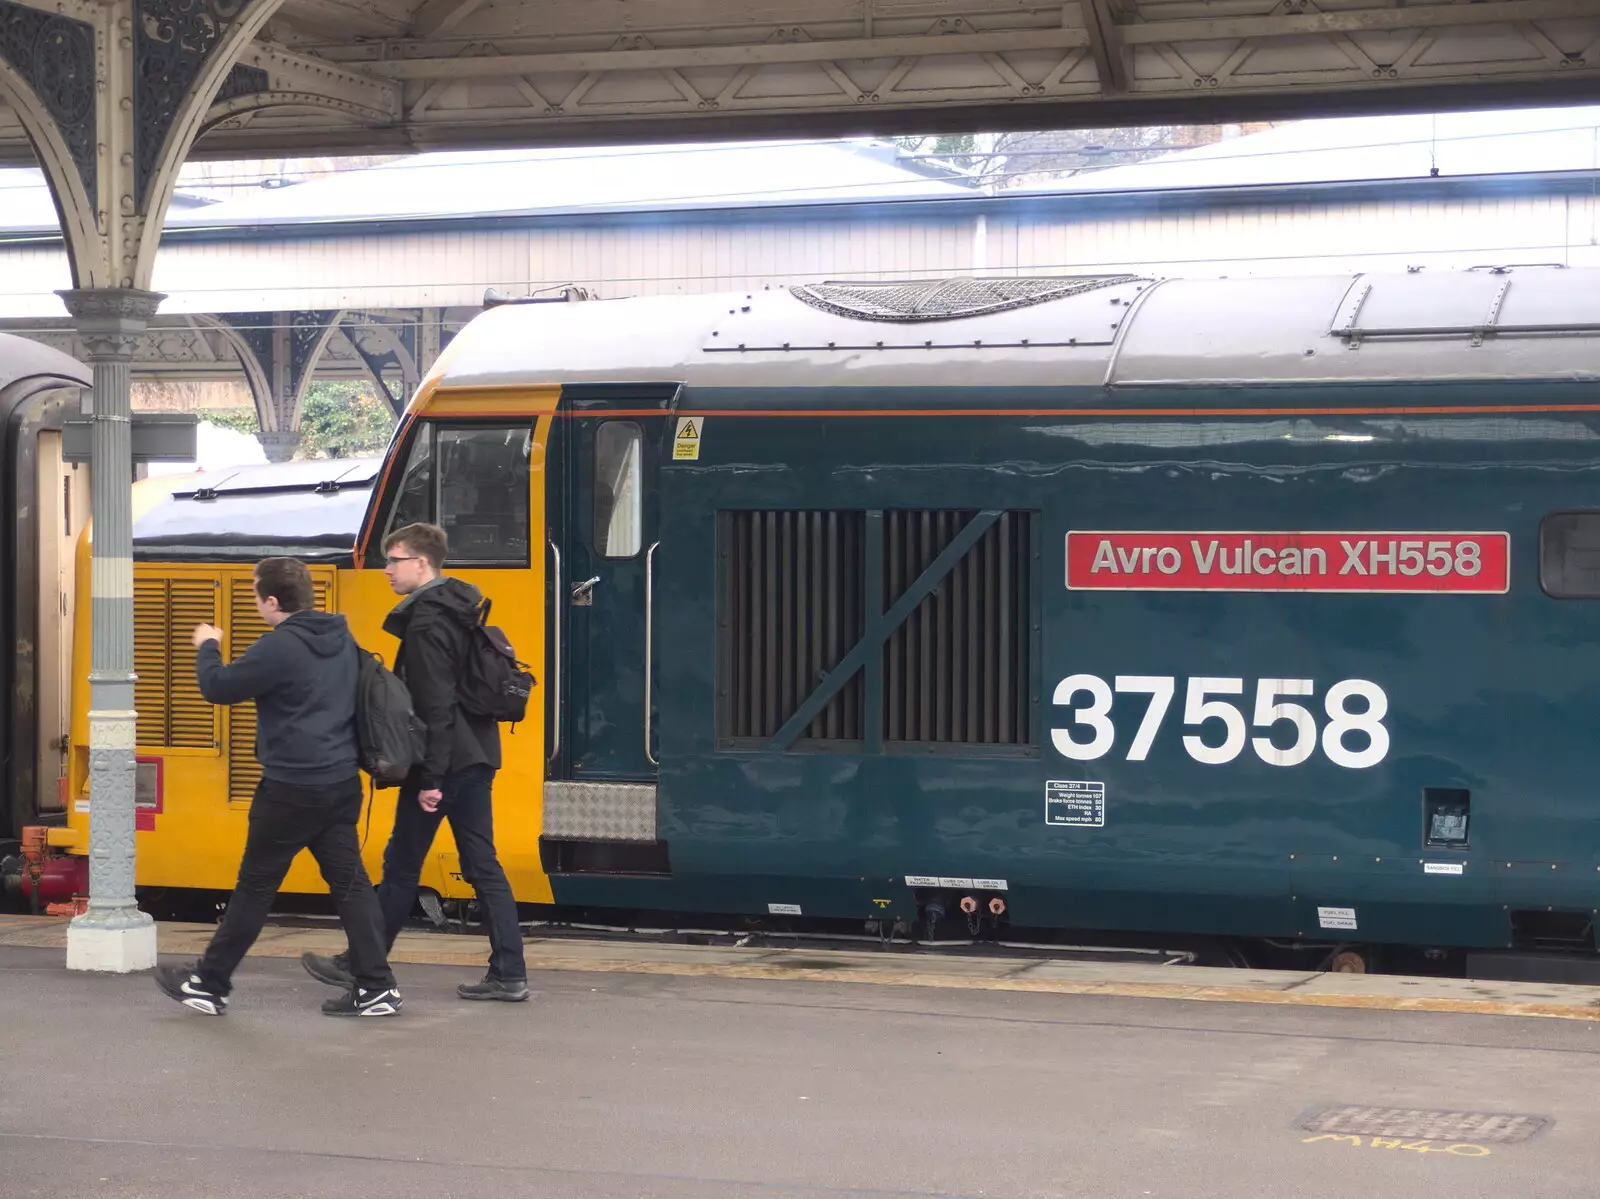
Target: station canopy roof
(463, 184)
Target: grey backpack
(391, 734)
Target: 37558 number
(1092, 734)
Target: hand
(429, 800)
(204, 633)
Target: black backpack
(492, 684)
(391, 735)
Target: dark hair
(426, 541)
(288, 581)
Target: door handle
(649, 643)
(555, 683)
(583, 593)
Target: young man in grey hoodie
(303, 675)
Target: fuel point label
(1339, 918)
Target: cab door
(603, 543)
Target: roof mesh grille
(945, 299)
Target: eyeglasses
(392, 559)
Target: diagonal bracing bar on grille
(879, 628)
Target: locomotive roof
(1061, 331)
(21, 358)
(310, 509)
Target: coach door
(604, 555)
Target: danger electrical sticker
(686, 443)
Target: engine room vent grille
(945, 299)
(792, 604)
(957, 670)
(948, 664)
(172, 712)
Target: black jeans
(467, 806)
(284, 819)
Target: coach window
(1569, 555)
(618, 489)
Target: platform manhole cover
(1418, 1124)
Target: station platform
(670, 1070)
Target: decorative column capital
(99, 303)
(110, 320)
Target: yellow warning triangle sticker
(686, 442)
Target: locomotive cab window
(414, 505)
(1569, 555)
(472, 481)
(618, 489)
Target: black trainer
(358, 1001)
(184, 985)
(334, 971)
(493, 987)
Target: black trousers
(469, 807)
(284, 819)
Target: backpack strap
(469, 621)
(372, 795)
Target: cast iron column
(113, 934)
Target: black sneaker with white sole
(334, 971)
(184, 985)
(358, 1001)
(493, 987)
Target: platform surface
(675, 1070)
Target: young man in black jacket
(302, 675)
(455, 779)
